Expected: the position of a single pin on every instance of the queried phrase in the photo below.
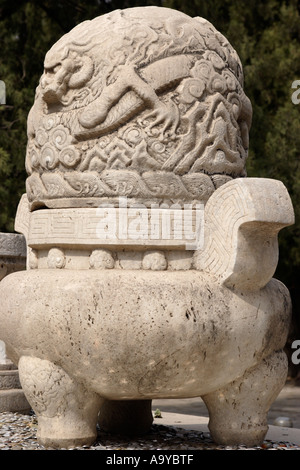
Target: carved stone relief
(154, 112)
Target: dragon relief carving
(133, 104)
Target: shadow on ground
(287, 404)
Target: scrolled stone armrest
(242, 221)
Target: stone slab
(12, 245)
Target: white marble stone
(12, 258)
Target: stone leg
(130, 417)
(238, 412)
(67, 413)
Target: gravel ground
(18, 432)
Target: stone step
(14, 400)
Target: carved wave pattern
(116, 183)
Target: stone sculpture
(12, 259)
(140, 115)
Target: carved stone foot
(238, 412)
(130, 417)
(66, 411)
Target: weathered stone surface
(12, 259)
(14, 400)
(12, 397)
(12, 253)
(146, 104)
(157, 334)
(9, 379)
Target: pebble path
(18, 432)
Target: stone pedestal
(150, 253)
